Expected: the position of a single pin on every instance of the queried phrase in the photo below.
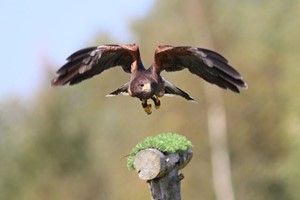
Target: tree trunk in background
(216, 119)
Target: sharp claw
(147, 107)
(156, 102)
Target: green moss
(165, 142)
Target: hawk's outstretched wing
(91, 61)
(205, 63)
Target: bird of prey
(148, 83)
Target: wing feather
(207, 64)
(88, 62)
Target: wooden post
(162, 171)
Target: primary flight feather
(148, 83)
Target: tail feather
(122, 90)
(171, 89)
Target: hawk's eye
(142, 85)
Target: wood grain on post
(162, 171)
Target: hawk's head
(143, 88)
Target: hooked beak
(146, 87)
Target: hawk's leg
(146, 106)
(156, 101)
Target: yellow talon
(147, 107)
(156, 102)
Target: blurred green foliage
(68, 143)
(165, 142)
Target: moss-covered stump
(158, 160)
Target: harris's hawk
(148, 83)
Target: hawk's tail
(122, 90)
(171, 89)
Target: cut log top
(151, 163)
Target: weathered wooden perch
(161, 171)
(158, 160)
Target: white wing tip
(113, 95)
(110, 95)
(193, 101)
(173, 95)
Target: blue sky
(33, 30)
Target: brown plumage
(148, 83)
